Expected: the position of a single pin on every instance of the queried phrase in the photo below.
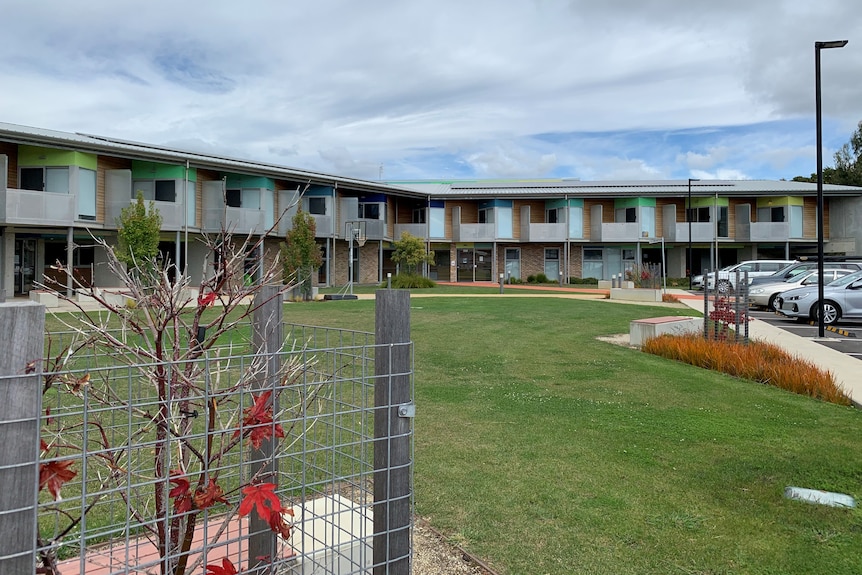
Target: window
(53, 180)
(233, 198)
(593, 264)
(552, 263)
(166, 191)
(437, 226)
(552, 216)
(576, 222)
(33, 179)
(372, 211)
(418, 216)
(248, 199)
(86, 194)
(317, 206)
(704, 214)
(158, 190)
(486, 216)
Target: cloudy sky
(446, 89)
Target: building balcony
(544, 232)
(474, 232)
(763, 232)
(748, 231)
(619, 232)
(36, 207)
(322, 226)
(417, 230)
(700, 232)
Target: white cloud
(340, 85)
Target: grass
(544, 450)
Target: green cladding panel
(144, 170)
(634, 202)
(36, 156)
(254, 182)
(780, 201)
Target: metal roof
(464, 189)
(136, 150)
(623, 188)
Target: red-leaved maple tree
(201, 406)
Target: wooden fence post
(267, 341)
(23, 328)
(392, 425)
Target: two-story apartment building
(59, 190)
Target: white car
(755, 268)
(841, 299)
(764, 294)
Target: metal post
(688, 219)
(817, 102)
(392, 433)
(501, 282)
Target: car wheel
(831, 312)
(724, 287)
(770, 305)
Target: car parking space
(845, 336)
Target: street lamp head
(830, 44)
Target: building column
(70, 260)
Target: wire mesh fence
(171, 467)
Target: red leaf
(54, 474)
(207, 299)
(227, 568)
(261, 497)
(209, 495)
(183, 502)
(258, 421)
(278, 524)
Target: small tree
(171, 343)
(300, 253)
(138, 233)
(410, 253)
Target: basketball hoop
(360, 240)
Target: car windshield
(784, 270)
(848, 279)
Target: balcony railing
(621, 232)
(416, 230)
(544, 232)
(36, 207)
(475, 233)
(700, 232)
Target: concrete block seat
(641, 330)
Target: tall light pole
(817, 47)
(688, 219)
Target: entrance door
(25, 265)
(483, 265)
(465, 264)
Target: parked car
(801, 267)
(764, 294)
(841, 299)
(727, 276)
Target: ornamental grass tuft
(758, 361)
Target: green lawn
(544, 450)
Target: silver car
(841, 299)
(764, 294)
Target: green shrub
(531, 279)
(584, 281)
(410, 281)
(542, 279)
